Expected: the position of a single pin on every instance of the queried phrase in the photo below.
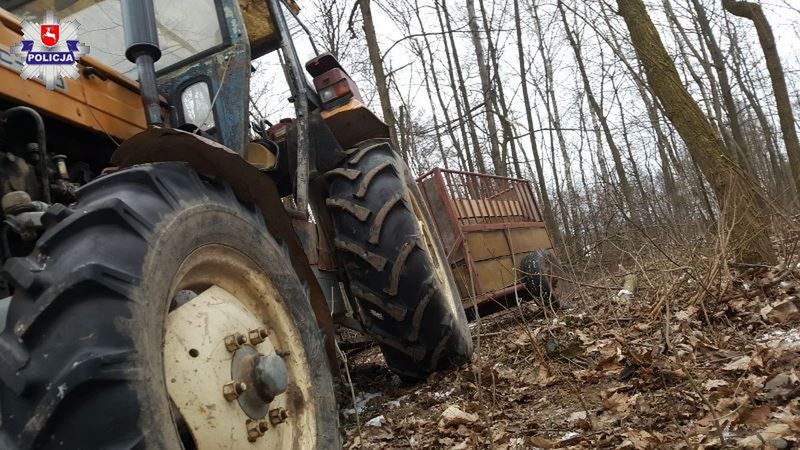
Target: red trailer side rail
(487, 224)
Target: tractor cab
(206, 47)
(202, 54)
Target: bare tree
(448, 122)
(755, 13)
(718, 60)
(487, 91)
(377, 67)
(619, 168)
(736, 194)
(546, 203)
(329, 27)
(445, 22)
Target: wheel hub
(225, 381)
(265, 376)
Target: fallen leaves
(756, 417)
(454, 416)
(608, 375)
(781, 385)
(769, 437)
(639, 440)
(742, 363)
(619, 404)
(710, 385)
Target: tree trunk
(547, 206)
(622, 177)
(448, 125)
(471, 128)
(754, 12)
(736, 194)
(645, 201)
(509, 139)
(674, 202)
(707, 65)
(724, 83)
(780, 179)
(439, 143)
(377, 67)
(461, 113)
(487, 91)
(712, 103)
(554, 116)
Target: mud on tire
(403, 287)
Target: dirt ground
(688, 361)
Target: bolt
(233, 389)
(277, 416)
(255, 429)
(61, 165)
(234, 342)
(257, 336)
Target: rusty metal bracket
(250, 185)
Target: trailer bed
(487, 224)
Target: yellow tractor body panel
(353, 122)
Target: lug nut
(233, 389)
(61, 165)
(277, 416)
(257, 336)
(255, 429)
(234, 342)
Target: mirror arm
(300, 94)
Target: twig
(352, 390)
(697, 392)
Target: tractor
(174, 267)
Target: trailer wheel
(398, 274)
(536, 268)
(139, 307)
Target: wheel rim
(428, 239)
(203, 367)
(439, 258)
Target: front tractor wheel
(397, 270)
(158, 312)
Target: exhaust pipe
(141, 48)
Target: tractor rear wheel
(158, 312)
(398, 273)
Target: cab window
(185, 28)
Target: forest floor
(689, 361)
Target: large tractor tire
(116, 335)
(398, 274)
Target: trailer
(492, 232)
